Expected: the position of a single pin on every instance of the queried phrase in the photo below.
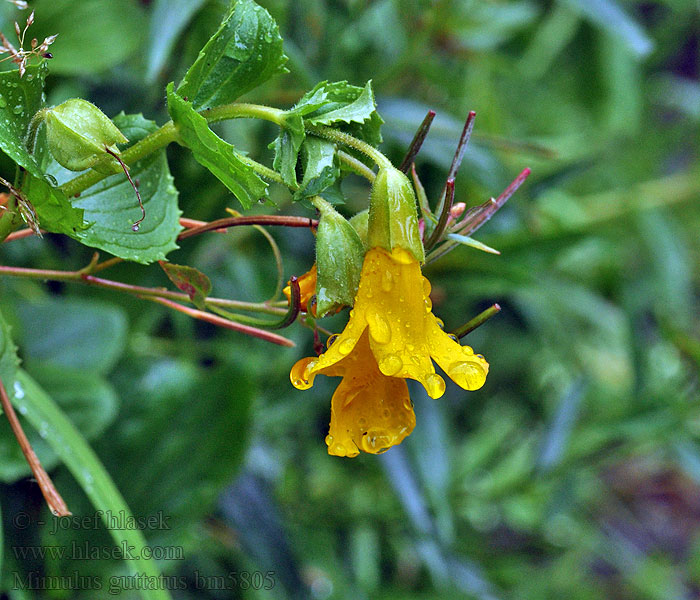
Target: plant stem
(151, 143)
(227, 222)
(351, 142)
(86, 278)
(477, 321)
(242, 110)
(168, 133)
(56, 504)
(217, 320)
(357, 166)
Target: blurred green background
(573, 473)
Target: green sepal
(77, 134)
(339, 256)
(360, 222)
(393, 218)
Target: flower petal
(393, 297)
(369, 411)
(466, 369)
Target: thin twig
(477, 321)
(462, 145)
(56, 504)
(447, 200)
(472, 224)
(22, 233)
(192, 223)
(278, 220)
(417, 142)
(217, 320)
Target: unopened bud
(78, 135)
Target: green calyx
(79, 134)
(339, 256)
(393, 216)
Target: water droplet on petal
(440, 322)
(453, 337)
(376, 441)
(378, 327)
(338, 450)
(408, 403)
(434, 385)
(390, 364)
(427, 288)
(469, 375)
(308, 368)
(329, 440)
(346, 346)
(428, 305)
(300, 373)
(331, 339)
(387, 281)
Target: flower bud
(77, 133)
(393, 217)
(339, 257)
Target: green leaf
(287, 145)
(87, 400)
(610, 16)
(168, 19)
(220, 157)
(20, 99)
(327, 103)
(8, 355)
(169, 405)
(189, 280)
(320, 167)
(94, 35)
(72, 333)
(111, 205)
(467, 241)
(245, 52)
(86, 397)
(344, 104)
(65, 440)
(54, 211)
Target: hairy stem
(351, 142)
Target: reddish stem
(417, 142)
(278, 220)
(217, 320)
(22, 233)
(56, 504)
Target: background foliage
(574, 472)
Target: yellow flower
(391, 335)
